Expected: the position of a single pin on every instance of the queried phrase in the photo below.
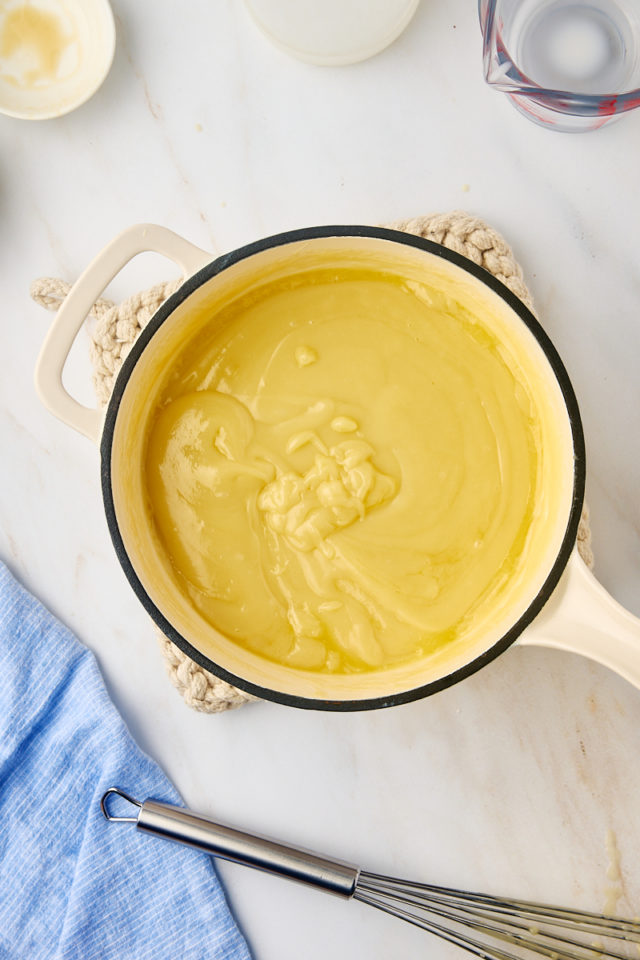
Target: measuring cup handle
(141, 238)
(582, 617)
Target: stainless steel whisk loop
(494, 928)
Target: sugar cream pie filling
(342, 467)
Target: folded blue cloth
(71, 884)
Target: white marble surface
(509, 781)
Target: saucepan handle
(582, 617)
(141, 238)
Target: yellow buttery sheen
(342, 468)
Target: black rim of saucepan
(215, 267)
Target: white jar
(332, 32)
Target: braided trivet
(118, 325)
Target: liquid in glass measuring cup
(569, 65)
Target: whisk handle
(182, 826)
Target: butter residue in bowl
(358, 511)
(54, 54)
(37, 46)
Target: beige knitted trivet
(118, 325)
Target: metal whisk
(494, 928)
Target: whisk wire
(458, 939)
(510, 921)
(594, 923)
(513, 932)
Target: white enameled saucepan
(563, 605)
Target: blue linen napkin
(71, 884)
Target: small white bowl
(54, 54)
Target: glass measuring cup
(569, 65)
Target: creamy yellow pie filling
(342, 469)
